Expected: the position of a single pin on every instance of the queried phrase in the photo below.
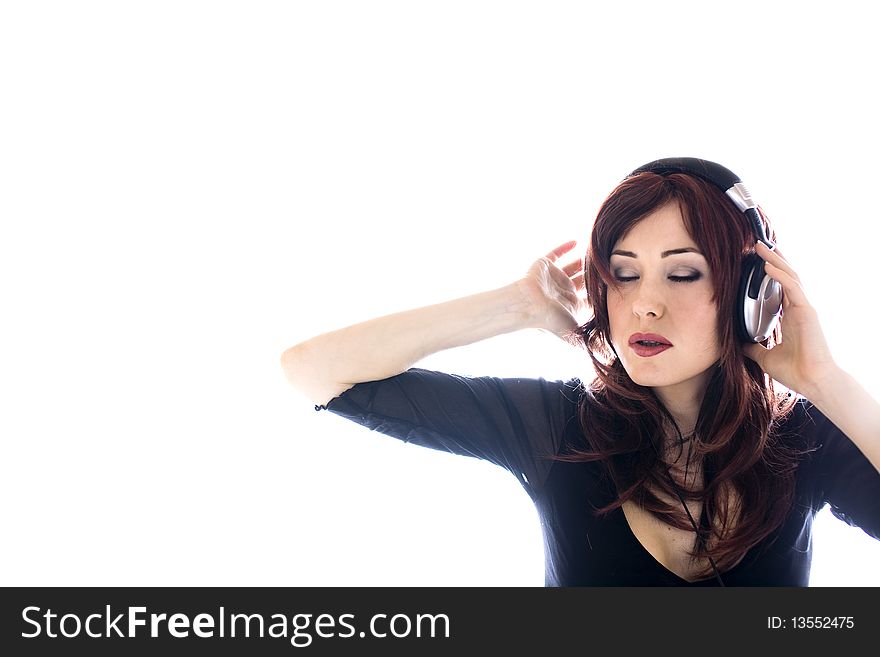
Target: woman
(681, 463)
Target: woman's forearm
(326, 365)
(853, 410)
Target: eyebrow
(687, 249)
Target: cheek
(695, 304)
(616, 313)
(616, 302)
(703, 325)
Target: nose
(648, 301)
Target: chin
(662, 377)
(653, 374)
(653, 381)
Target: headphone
(759, 300)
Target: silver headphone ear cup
(759, 304)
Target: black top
(518, 423)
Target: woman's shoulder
(805, 425)
(820, 447)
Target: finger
(776, 258)
(560, 250)
(559, 278)
(573, 268)
(572, 299)
(566, 292)
(568, 289)
(793, 292)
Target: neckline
(660, 566)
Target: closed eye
(674, 279)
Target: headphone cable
(694, 524)
(688, 512)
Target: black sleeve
(515, 423)
(846, 479)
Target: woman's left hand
(802, 360)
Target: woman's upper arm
(848, 481)
(517, 423)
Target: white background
(189, 188)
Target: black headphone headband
(723, 178)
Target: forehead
(660, 230)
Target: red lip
(653, 337)
(647, 352)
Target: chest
(669, 545)
(586, 548)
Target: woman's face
(667, 293)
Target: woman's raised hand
(547, 297)
(802, 361)
(555, 293)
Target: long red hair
(624, 423)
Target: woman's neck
(683, 401)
